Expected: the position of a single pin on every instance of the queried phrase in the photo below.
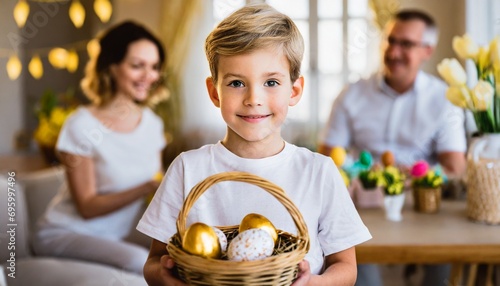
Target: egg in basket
(256, 254)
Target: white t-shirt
(310, 180)
(416, 125)
(121, 161)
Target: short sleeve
(162, 143)
(451, 136)
(75, 136)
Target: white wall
(148, 14)
(450, 19)
(201, 116)
(11, 111)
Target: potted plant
(426, 185)
(393, 185)
(52, 110)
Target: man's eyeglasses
(405, 44)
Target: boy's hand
(304, 274)
(167, 264)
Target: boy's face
(254, 92)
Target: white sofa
(32, 193)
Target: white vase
(393, 206)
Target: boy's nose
(253, 97)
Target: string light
(93, 48)
(72, 61)
(103, 10)
(35, 67)
(58, 58)
(77, 13)
(21, 12)
(14, 67)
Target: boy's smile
(254, 92)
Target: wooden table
(445, 237)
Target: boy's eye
(271, 83)
(236, 83)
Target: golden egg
(200, 239)
(254, 220)
(387, 158)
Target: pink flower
(419, 169)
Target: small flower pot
(367, 198)
(393, 206)
(426, 200)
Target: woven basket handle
(271, 188)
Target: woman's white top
(121, 161)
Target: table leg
(489, 275)
(471, 280)
(456, 274)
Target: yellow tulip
(483, 58)
(465, 47)
(482, 95)
(452, 72)
(494, 53)
(459, 96)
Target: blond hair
(251, 28)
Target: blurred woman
(111, 150)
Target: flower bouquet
(483, 158)
(51, 116)
(483, 100)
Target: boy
(254, 57)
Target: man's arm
(453, 163)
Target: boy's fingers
(167, 261)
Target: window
(341, 46)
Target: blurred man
(403, 110)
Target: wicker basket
(279, 269)
(426, 200)
(483, 190)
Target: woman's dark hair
(115, 42)
(98, 84)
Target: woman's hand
(304, 274)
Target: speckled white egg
(251, 244)
(222, 239)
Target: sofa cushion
(40, 187)
(13, 234)
(66, 272)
